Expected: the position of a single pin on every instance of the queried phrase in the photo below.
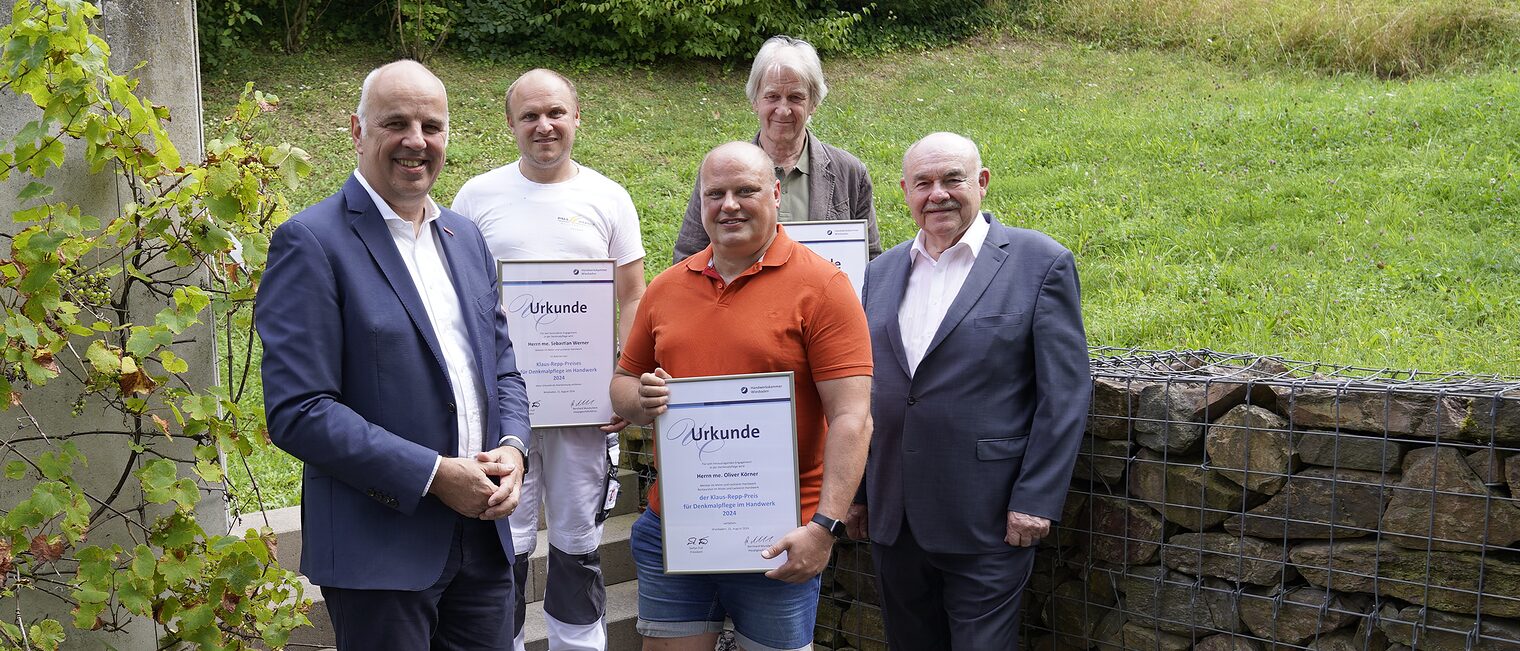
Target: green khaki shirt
(794, 190)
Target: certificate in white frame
(562, 317)
(727, 452)
(844, 243)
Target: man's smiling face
(402, 135)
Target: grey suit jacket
(991, 420)
(838, 189)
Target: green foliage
(187, 246)
(647, 30)
(490, 29)
(420, 27)
(226, 29)
(921, 24)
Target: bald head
(944, 142)
(544, 78)
(738, 152)
(405, 75)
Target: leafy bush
(230, 28)
(420, 27)
(898, 24)
(110, 306)
(488, 29)
(226, 28)
(646, 30)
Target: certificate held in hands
(727, 454)
(560, 314)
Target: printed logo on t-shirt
(574, 220)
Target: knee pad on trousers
(575, 594)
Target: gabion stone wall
(1246, 503)
(1238, 502)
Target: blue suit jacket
(991, 420)
(355, 387)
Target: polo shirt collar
(775, 255)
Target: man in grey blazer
(981, 395)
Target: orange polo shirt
(792, 311)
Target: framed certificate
(843, 243)
(727, 454)
(561, 316)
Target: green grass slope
(1347, 219)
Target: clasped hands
(487, 486)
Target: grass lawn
(1241, 208)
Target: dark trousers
(950, 602)
(469, 607)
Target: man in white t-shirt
(546, 206)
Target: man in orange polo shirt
(752, 302)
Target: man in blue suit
(981, 394)
(388, 371)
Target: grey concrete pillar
(161, 33)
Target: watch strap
(834, 527)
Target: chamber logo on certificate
(560, 314)
(727, 453)
(840, 242)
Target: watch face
(829, 524)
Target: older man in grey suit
(982, 388)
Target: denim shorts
(768, 615)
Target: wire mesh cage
(1242, 502)
(1246, 502)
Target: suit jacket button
(450, 407)
(912, 400)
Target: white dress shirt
(424, 263)
(932, 286)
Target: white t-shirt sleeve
(626, 243)
(464, 202)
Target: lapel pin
(446, 230)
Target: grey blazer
(838, 188)
(991, 420)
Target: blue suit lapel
(366, 220)
(988, 262)
(455, 255)
(896, 287)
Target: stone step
(622, 616)
(617, 557)
(617, 569)
(286, 522)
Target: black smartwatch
(834, 527)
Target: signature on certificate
(758, 541)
